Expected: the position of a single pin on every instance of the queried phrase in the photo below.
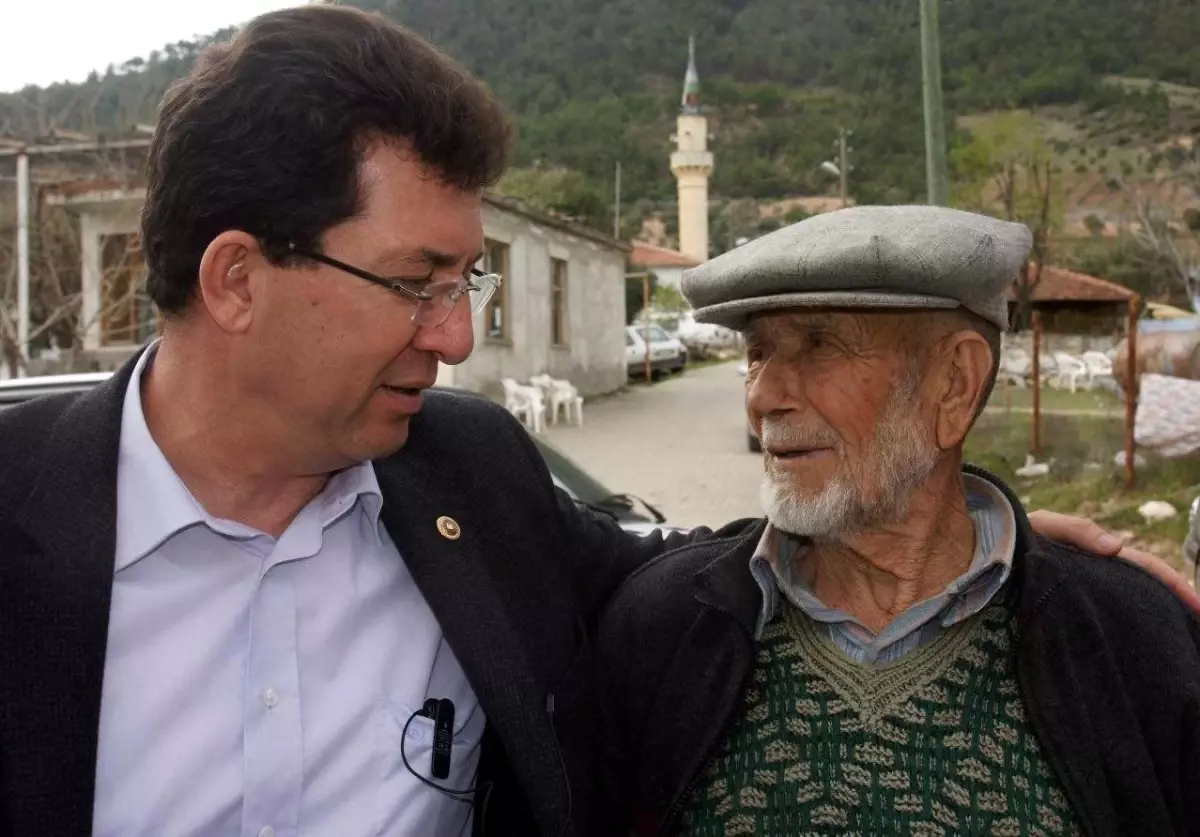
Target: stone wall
(1072, 344)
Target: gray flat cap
(866, 257)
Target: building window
(126, 314)
(496, 316)
(558, 302)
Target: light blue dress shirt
(259, 687)
(777, 566)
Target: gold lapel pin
(448, 528)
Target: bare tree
(56, 300)
(1039, 174)
(1163, 240)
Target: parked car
(752, 443)
(667, 354)
(632, 514)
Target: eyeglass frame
(398, 286)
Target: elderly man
(892, 651)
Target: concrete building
(692, 163)
(560, 308)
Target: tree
(635, 295)
(55, 291)
(1162, 242)
(559, 190)
(56, 308)
(1006, 168)
(668, 298)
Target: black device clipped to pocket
(442, 713)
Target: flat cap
(866, 257)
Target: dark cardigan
(1107, 659)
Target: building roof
(519, 207)
(651, 255)
(1058, 284)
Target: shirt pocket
(406, 805)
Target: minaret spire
(691, 80)
(692, 163)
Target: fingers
(1091, 537)
(1077, 531)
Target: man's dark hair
(266, 134)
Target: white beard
(872, 492)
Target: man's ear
(224, 280)
(966, 361)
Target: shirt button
(266, 831)
(269, 697)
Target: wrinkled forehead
(855, 327)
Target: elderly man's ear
(965, 361)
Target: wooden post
(646, 314)
(1131, 392)
(1037, 384)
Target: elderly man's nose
(767, 390)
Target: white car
(667, 354)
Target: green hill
(595, 82)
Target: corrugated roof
(1057, 284)
(651, 255)
(510, 204)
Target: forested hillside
(595, 82)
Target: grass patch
(1015, 398)
(1084, 478)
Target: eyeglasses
(435, 300)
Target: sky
(43, 41)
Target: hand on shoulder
(1089, 536)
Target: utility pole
(843, 164)
(23, 255)
(617, 204)
(937, 181)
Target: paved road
(680, 444)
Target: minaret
(692, 163)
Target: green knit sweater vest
(935, 744)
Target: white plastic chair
(562, 395)
(1015, 367)
(525, 403)
(1070, 371)
(568, 396)
(1099, 367)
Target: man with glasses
(262, 582)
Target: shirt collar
(776, 569)
(153, 503)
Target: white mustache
(780, 434)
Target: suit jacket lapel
(420, 487)
(58, 577)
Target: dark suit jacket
(516, 596)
